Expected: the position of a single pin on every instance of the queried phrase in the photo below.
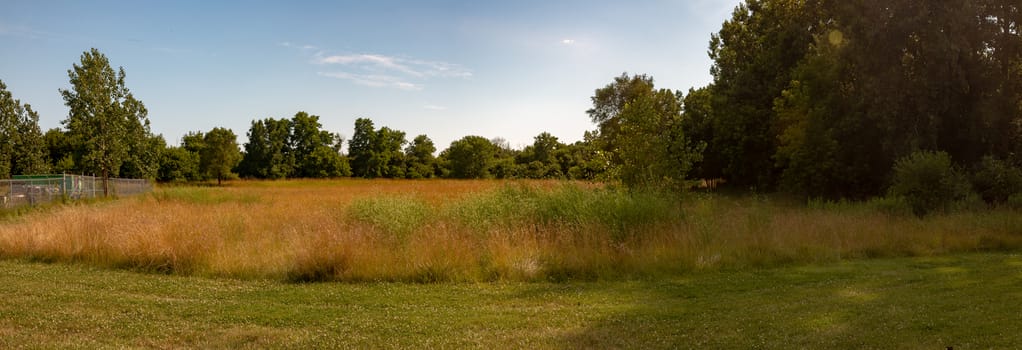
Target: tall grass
(432, 231)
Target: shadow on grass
(964, 301)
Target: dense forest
(813, 98)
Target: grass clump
(396, 215)
(572, 206)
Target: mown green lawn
(966, 301)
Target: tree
(609, 101)
(388, 158)
(144, 160)
(470, 157)
(649, 144)
(360, 147)
(178, 164)
(220, 154)
(753, 56)
(653, 149)
(376, 153)
(313, 149)
(539, 160)
(105, 119)
(419, 158)
(697, 125)
(60, 150)
(267, 152)
(22, 149)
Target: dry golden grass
(428, 231)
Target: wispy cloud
(568, 41)
(20, 31)
(380, 71)
(297, 46)
(373, 80)
(411, 67)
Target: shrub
(996, 180)
(928, 182)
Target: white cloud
(374, 80)
(567, 41)
(410, 67)
(376, 70)
(296, 46)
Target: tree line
(107, 133)
(815, 98)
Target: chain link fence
(41, 189)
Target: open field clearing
(967, 301)
(435, 231)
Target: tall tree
(609, 101)
(315, 155)
(388, 158)
(360, 147)
(753, 55)
(937, 78)
(22, 148)
(268, 153)
(220, 154)
(420, 159)
(105, 118)
(649, 144)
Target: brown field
(431, 230)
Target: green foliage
(360, 147)
(470, 157)
(107, 126)
(822, 97)
(996, 180)
(387, 158)
(396, 215)
(298, 147)
(419, 158)
(928, 182)
(610, 101)
(377, 153)
(178, 165)
(220, 154)
(753, 56)
(622, 213)
(144, 162)
(22, 147)
(60, 150)
(644, 134)
(316, 152)
(267, 154)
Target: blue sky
(447, 69)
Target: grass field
(471, 231)
(502, 265)
(967, 301)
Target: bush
(928, 182)
(996, 180)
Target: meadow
(491, 264)
(479, 231)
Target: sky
(447, 69)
